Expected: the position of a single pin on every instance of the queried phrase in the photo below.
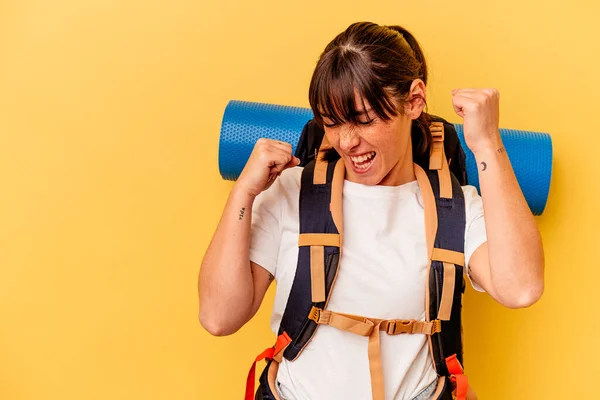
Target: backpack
(319, 254)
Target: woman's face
(376, 152)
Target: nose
(349, 138)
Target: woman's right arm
(231, 287)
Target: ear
(417, 98)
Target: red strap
(462, 386)
(282, 342)
(457, 376)
(268, 354)
(453, 365)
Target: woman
(368, 87)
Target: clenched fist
(479, 109)
(268, 159)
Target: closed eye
(335, 125)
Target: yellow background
(109, 122)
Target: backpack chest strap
(371, 327)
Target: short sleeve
(475, 234)
(265, 228)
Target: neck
(403, 172)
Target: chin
(371, 178)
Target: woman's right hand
(266, 162)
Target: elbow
(531, 291)
(526, 297)
(526, 290)
(214, 325)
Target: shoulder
(472, 197)
(282, 193)
(470, 191)
(287, 186)
(289, 180)
(473, 207)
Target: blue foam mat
(245, 122)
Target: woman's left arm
(510, 265)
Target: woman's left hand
(479, 109)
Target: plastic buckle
(436, 326)
(315, 314)
(400, 326)
(437, 131)
(391, 327)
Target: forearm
(225, 283)
(516, 259)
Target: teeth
(363, 158)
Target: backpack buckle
(436, 326)
(315, 314)
(436, 153)
(398, 326)
(391, 327)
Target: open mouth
(363, 162)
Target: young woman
(368, 87)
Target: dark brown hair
(380, 63)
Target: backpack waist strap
(371, 327)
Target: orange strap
(280, 345)
(267, 354)
(274, 352)
(320, 171)
(371, 327)
(438, 161)
(460, 380)
(436, 152)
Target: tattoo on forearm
(484, 164)
(242, 211)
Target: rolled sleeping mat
(245, 122)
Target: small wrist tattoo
(483, 166)
(501, 150)
(242, 211)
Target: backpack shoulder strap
(445, 222)
(319, 249)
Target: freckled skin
(390, 140)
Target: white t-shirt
(382, 275)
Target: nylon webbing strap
(448, 256)
(444, 178)
(272, 353)
(319, 239)
(438, 161)
(317, 273)
(281, 343)
(437, 145)
(431, 220)
(458, 378)
(370, 327)
(447, 292)
(320, 172)
(317, 243)
(449, 259)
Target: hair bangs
(343, 84)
